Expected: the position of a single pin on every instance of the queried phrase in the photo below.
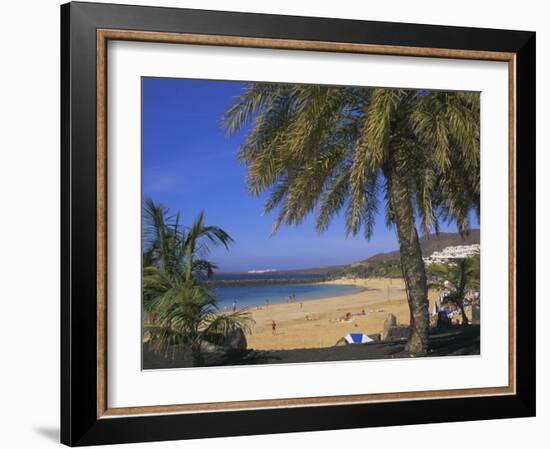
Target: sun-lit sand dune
(317, 323)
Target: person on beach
(273, 327)
(234, 306)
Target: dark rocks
(341, 342)
(457, 340)
(392, 331)
(389, 323)
(375, 337)
(235, 340)
(155, 359)
(397, 333)
(209, 348)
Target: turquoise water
(257, 295)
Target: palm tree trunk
(412, 265)
(464, 316)
(461, 288)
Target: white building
(451, 253)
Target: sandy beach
(316, 323)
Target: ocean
(276, 275)
(258, 294)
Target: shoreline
(259, 282)
(319, 323)
(277, 298)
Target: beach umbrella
(357, 339)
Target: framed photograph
(282, 224)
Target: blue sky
(189, 163)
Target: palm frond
(220, 325)
(323, 148)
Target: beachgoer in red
(273, 327)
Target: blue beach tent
(357, 339)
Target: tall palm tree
(325, 148)
(174, 261)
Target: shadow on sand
(454, 341)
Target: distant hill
(428, 244)
(433, 243)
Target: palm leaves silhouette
(326, 150)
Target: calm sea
(258, 295)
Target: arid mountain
(429, 245)
(433, 243)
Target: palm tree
(174, 263)
(177, 252)
(325, 148)
(188, 316)
(463, 274)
